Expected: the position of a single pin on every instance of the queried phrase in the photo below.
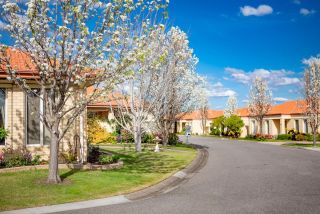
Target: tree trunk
(314, 137)
(165, 137)
(165, 134)
(53, 177)
(261, 124)
(137, 138)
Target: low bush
(260, 137)
(215, 131)
(284, 137)
(108, 159)
(301, 137)
(126, 136)
(93, 154)
(17, 157)
(147, 138)
(173, 139)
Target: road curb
(175, 180)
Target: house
(19, 114)
(280, 119)
(196, 120)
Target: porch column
(282, 126)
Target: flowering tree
(137, 97)
(312, 94)
(72, 44)
(260, 101)
(182, 86)
(231, 106)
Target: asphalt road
(239, 177)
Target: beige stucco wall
(15, 122)
(196, 126)
(278, 124)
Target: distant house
(282, 117)
(19, 113)
(194, 119)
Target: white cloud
(297, 2)
(238, 74)
(280, 99)
(273, 77)
(218, 90)
(306, 12)
(245, 101)
(261, 10)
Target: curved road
(239, 177)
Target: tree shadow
(69, 173)
(148, 162)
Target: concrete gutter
(163, 187)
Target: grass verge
(28, 188)
(299, 145)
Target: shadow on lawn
(147, 162)
(68, 174)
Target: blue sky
(236, 40)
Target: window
(305, 126)
(37, 132)
(2, 111)
(297, 125)
(33, 118)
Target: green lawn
(301, 145)
(28, 188)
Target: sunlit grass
(28, 188)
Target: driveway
(239, 177)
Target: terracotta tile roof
(291, 107)
(212, 114)
(19, 61)
(288, 108)
(243, 112)
(104, 101)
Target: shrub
(215, 131)
(217, 125)
(234, 125)
(284, 137)
(108, 159)
(127, 137)
(93, 154)
(16, 157)
(110, 138)
(173, 139)
(3, 133)
(36, 160)
(260, 137)
(300, 137)
(147, 138)
(96, 133)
